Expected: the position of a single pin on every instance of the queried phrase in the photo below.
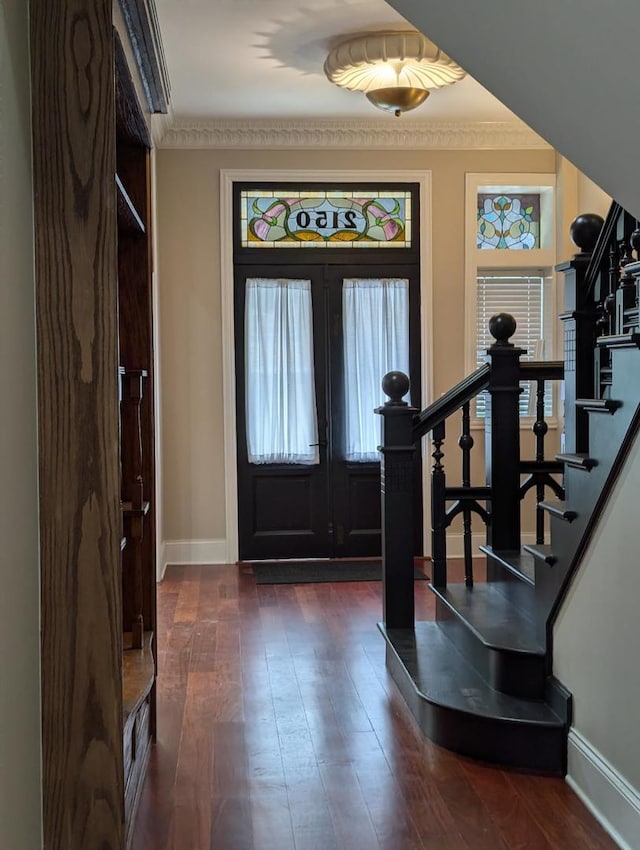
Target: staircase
(479, 678)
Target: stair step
(598, 405)
(494, 621)
(557, 508)
(519, 563)
(578, 461)
(542, 553)
(628, 340)
(457, 709)
(496, 637)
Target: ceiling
(262, 59)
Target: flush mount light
(395, 70)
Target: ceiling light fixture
(395, 70)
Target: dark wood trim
(74, 160)
(541, 370)
(131, 125)
(146, 42)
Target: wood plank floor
(279, 728)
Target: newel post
(502, 435)
(397, 494)
(580, 326)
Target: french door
(313, 342)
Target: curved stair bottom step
(458, 710)
(494, 638)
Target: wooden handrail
(451, 401)
(541, 370)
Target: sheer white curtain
(376, 341)
(280, 386)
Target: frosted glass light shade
(385, 60)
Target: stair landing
(457, 709)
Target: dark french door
(328, 505)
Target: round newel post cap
(396, 386)
(584, 231)
(501, 327)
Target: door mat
(300, 572)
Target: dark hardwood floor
(279, 728)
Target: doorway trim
(227, 178)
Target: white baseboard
(217, 551)
(607, 794)
(455, 543)
(188, 552)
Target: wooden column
(80, 525)
(502, 435)
(579, 319)
(397, 493)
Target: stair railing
(497, 503)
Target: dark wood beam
(80, 526)
(146, 42)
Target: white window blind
(523, 294)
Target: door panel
(287, 511)
(331, 509)
(283, 507)
(356, 485)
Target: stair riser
(508, 743)
(516, 673)
(606, 433)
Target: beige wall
(20, 784)
(190, 312)
(591, 198)
(597, 634)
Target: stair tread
(519, 563)
(598, 405)
(558, 507)
(542, 552)
(580, 460)
(492, 617)
(444, 677)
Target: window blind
(522, 294)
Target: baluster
(625, 297)
(466, 444)
(438, 511)
(634, 324)
(540, 429)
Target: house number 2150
(322, 218)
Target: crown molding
(161, 123)
(394, 133)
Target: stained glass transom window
(508, 220)
(325, 219)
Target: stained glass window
(508, 220)
(325, 219)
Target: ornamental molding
(391, 133)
